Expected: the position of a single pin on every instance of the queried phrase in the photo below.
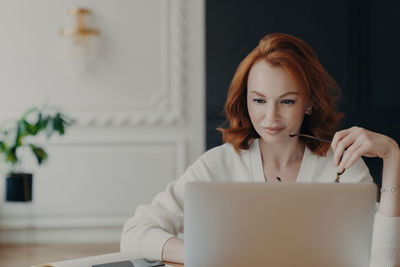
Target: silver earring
(309, 111)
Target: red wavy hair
(314, 84)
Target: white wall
(139, 110)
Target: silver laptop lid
(282, 224)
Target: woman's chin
(275, 139)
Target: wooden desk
(174, 264)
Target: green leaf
(58, 124)
(28, 129)
(18, 136)
(11, 139)
(3, 147)
(41, 122)
(39, 153)
(11, 155)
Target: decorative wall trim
(179, 141)
(81, 235)
(30, 221)
(18, 221)
(166, 107)
(163, 107)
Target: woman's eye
(288, 101)
(259, 101)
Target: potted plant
(32, 123)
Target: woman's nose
(272, 113)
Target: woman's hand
(173, 250)
(350, 144)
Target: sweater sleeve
(385, 250)
(145, 234)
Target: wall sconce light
(79, 42)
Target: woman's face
(275, 107)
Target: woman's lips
(273, 130)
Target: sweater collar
(257, 168)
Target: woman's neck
(282, 155)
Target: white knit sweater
(145, 234)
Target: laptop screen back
(282, 224)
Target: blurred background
(145, 82)
(356, 41)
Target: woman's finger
(342, 145)
(348, 154)
(356, 155)
(339, 136)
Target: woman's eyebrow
(289, 93)
(257, 93)
(285, 94)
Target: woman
(279, 89)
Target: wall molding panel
(151, 93)
(138, 103)
(166, 106)
(113, 199)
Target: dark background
(357, 42)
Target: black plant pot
(19, 187)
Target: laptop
(280, 224)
